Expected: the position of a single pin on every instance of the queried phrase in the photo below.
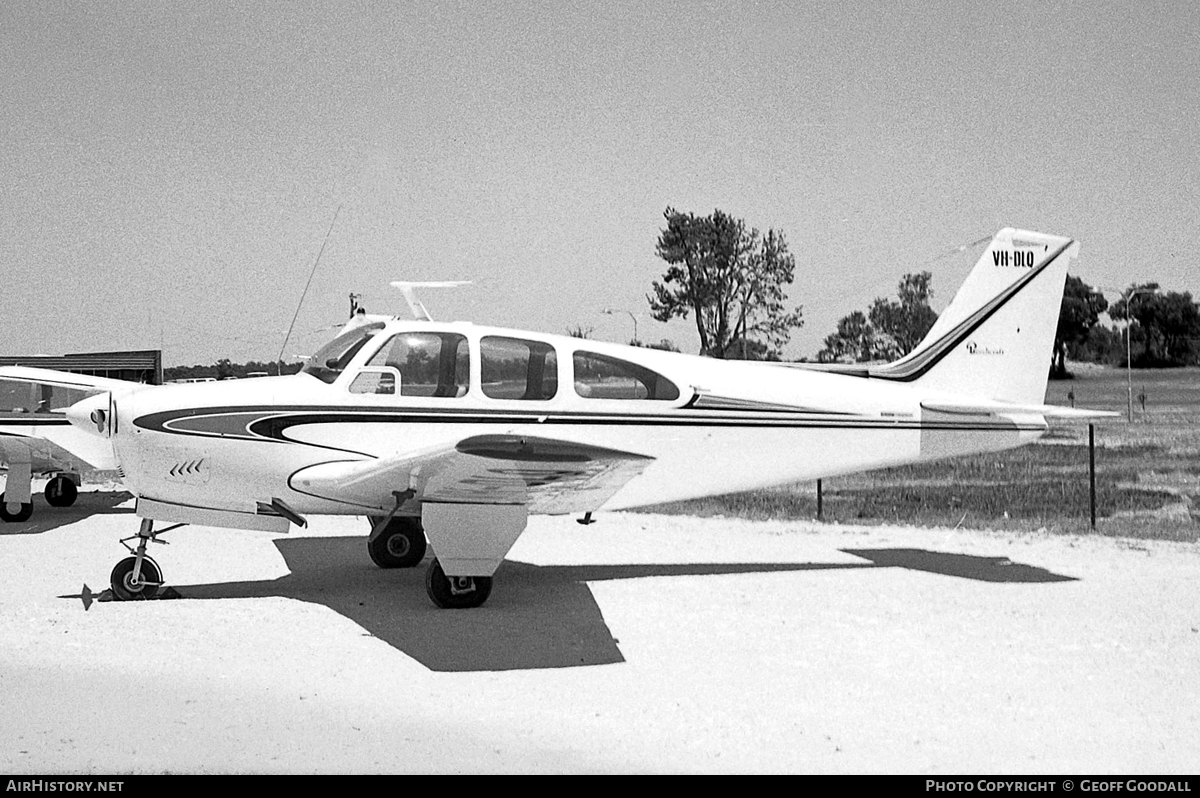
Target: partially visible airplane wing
(546, 475)
(984, 407)
(65, 379)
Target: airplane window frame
(546, 376)
(380, 373)
(452, 364)
(346, 346)
(658, 388)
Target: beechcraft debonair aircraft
(456, 433)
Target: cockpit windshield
(331, 359)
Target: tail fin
(994, 341)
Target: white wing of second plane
(546, 475)
(65, 379)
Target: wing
(548, 476)
(65, 379)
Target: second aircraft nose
(92, 414)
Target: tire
(23, 514)
(400, 545)
(61, 492)
(472, 590)
(121, 584)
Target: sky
(170, 170)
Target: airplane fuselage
(709, 426)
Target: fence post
(1092, 468)
(820, 507)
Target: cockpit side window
(331, 360)
(514, 368)
(430, 364)
(605, 377)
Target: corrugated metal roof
(139, 360)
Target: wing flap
(546, 475)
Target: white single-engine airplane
(37, 439)
(459, 432)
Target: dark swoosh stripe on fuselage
(269, 424)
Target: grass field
(1147, 473)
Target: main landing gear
(138, 576)
(398, 542)
(61, 491)
(23, 511)
(456, 592)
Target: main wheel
(20, 515)
(123, 586)
(456, 592)
(400, 545)
(61, 492)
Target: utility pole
(613, 311)
(1129, 347)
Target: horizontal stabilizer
(985, 408)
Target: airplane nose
(91, 414)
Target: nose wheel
(128, 582)
(138, 576)
(456, 592)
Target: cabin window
(514, 368)
(428, 364)
(331, 360)
(604, 377)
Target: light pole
(614, 311)
(1128, 346)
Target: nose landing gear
(138, 576)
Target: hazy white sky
(168, 170)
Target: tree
(891, 330)
(854, 340)
(906, 322)
(1170, 323)
(730, 279)
(1079, 313)
(579, 331)
(665, 344)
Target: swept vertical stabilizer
(995, 339)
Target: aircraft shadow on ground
(46, 518)
(967, 566)
(538, 616)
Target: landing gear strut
(139, 577)
(456, 592)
